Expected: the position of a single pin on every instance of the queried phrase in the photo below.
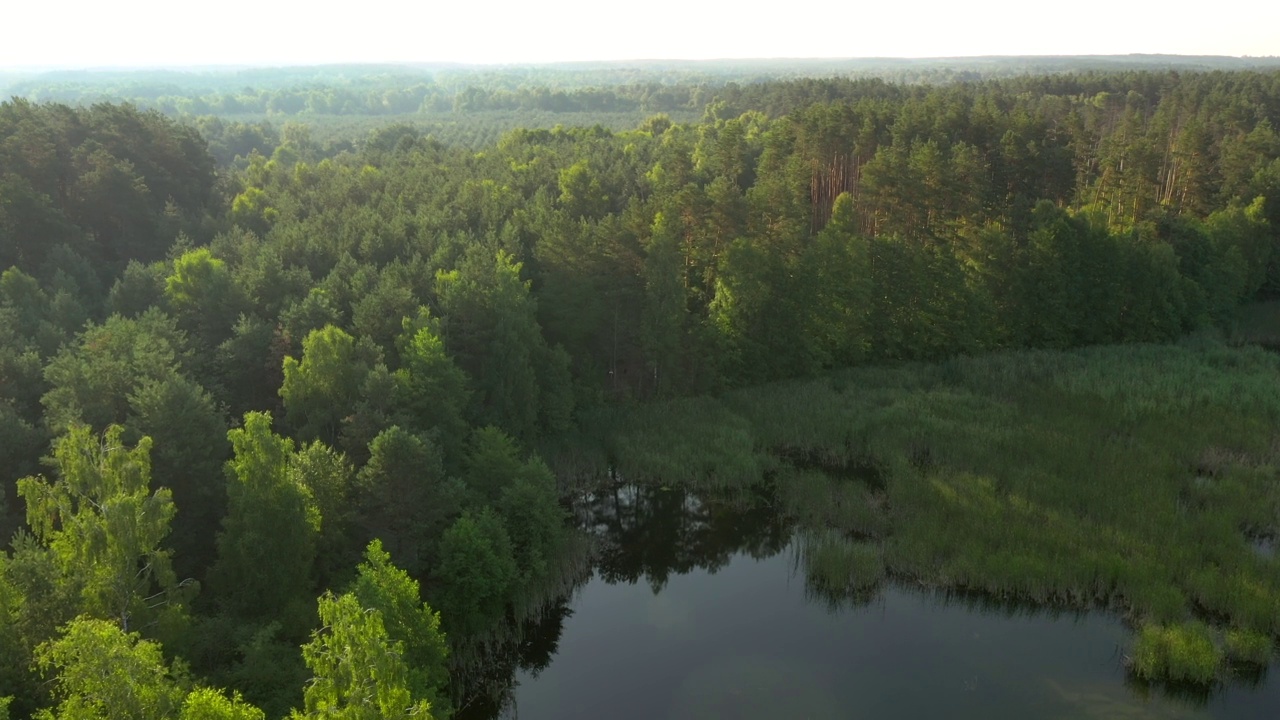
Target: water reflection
(839, 572)
(485, 668)
(632, 532)
(702, 605)
(652, 532)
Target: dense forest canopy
(288, 389)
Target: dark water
(700, 609)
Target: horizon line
(189, 67)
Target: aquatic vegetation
(837, 568)
(695, 441)
(1135, 478)
(1180, 653)
(1248, 647)
(818, 500)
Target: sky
(180, 33)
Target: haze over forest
(148, 34)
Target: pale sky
(96, 33)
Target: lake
(700, 608)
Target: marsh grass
(694, 442)
(1135, 478)
(839, 570)
(817, 500)
(1176, 653)
(1244, 646)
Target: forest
(238, 110)
(288, 423)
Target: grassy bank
(1138, 478)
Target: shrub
(1177, 653)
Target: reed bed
(1136, 478)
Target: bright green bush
(1178, 653)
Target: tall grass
(838, 570)
(1181, 653)
(1130, 477)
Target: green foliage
(196, 281)
(748, 312)
(323, 388)
(329, 480)
(530, 510)
(30, 224)
(1248, 647)
(581, 195)
(249, 368)
(492, 464)
(268, 539)
(433, 390)
(803, 225)
(251, 210)
(104, 673)
(837, 290)
(1246, 231)
(377, 315)
(203, 296)
(476, 573)
(360, 672)
(837, 568)
(492, 330)
(999, 474)
(138, 288)
(105, 525)
(91, 380)
(265, 664)
(406, 500)
(1257, 323)
(524, 493)
(27, 303)
(208, 704)
(38, 603)
(1180, 653)
(665, 307)
(390, 591)
(15, 655)
(189, 447)
(100, 672)
(109, 181)
(20, 444)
